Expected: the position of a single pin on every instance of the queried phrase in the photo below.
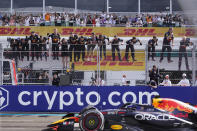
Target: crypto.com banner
(87, 31)
(74, 98)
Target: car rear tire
(92, 120)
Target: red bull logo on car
(171, 105)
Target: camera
(8, 39)
(93, 79)
(188, 40)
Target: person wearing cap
(124, 80)
(151, 47)
(184, 81)
(167, 42)
(130, 45)
(166, 81)
(115, 46)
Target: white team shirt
(195, 83)
(166, 82)
(124, 81)
(184, 82)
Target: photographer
(130, 45)
(184, 43)
(115, 46)
(151, 47)
(167, 41)
(154, 75)
(93, 81)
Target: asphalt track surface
(26, 122)
(32, 122)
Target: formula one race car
(163, 115)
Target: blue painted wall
(74, 98)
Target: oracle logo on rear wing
(149, 117)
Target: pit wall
(74, 98)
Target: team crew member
(64, 53)
(182, 52)
(102, 40)
(55, 44)
(19, 49)
(34, 47)
(25, 48)
(130, 45)
(195, 82)
(76, 49)
(92, 42)
(72, 46)
(166, 81)
(184, 81)
(115, 46)
(82, 43)
(124, 80)
(151, 47)
(14, 46)
(43, 47)
(14, 43)
(72, 41)
(168, 39)
(40, 47)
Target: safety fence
(102, 68)
(90, 70)
(74, 98)
(97, 64)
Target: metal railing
(109, 71)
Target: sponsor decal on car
(150, 117)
